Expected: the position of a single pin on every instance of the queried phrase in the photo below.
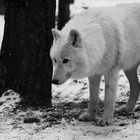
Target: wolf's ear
(56, 34)
(74, 37)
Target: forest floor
(61, 121)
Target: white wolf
(100, 41)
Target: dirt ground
(60, 122)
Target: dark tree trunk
(1, 6)
(63, 12)
(25, 62)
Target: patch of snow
(1, 28)
(79, 5)
(71, 91)
(92, 3)
(8, 101)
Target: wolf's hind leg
(134, 90)
(90, 114)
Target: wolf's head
(67, 56)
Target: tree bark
(25, 61)
(63, 12)
(1, 6)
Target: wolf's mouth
(67, 76)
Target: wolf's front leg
(90, 114)
(111, 79)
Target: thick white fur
(119, 28)
(110, 40)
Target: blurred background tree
(1, 6)
(63, 12)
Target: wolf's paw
(104, 122)
(87, 117)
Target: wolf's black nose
(55, 81)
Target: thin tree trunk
(25, 62)
(63, 12)
(1, 6)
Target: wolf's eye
(65, 61)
